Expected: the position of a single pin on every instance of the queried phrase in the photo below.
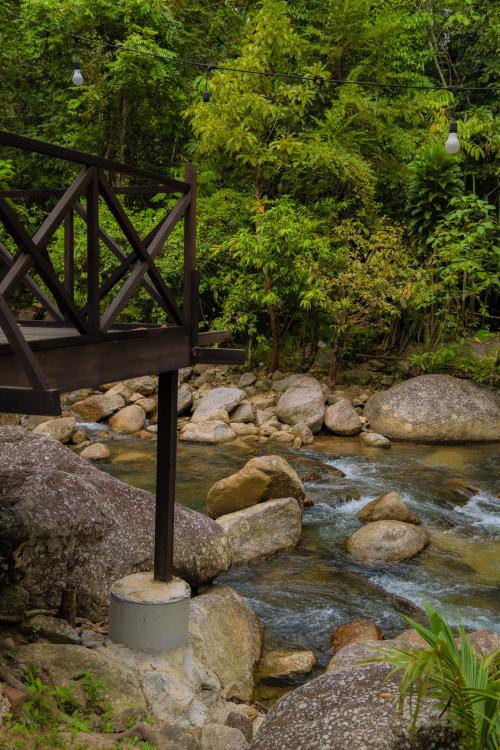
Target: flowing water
(303, 595)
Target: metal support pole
(166, 454)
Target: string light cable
(318, 81)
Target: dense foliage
(326, 213)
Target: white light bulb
(452, 145)
(77, 76)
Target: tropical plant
(465, 686)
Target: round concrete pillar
(147, 615)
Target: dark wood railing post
(166, 459)
(93, 254)
(190, 274)
(69, 253)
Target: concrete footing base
(146, 615)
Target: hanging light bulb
(77, 74)
(206, 93)
(452, 144)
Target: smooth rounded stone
(244, 429)
(263, 401)
(355, 655)
(282, 437)
(96, 452)
(341, 418)
(121, 389)
(248, 378)
(237, 720)
(67, 662)
(374, 439)
(410, 638)
(184, 398)
(79, 437)
(388, 507)
(353, 632)
(355, 709)
(297, 443)
(286, 664)
(261, 478)
(60, 429)
(100, 406)
(243, 413)
(218, 398)
(128, 420)
(53, 629)
(148, 404)
(387, 541)
(220, 415)
(435, 409)
(303, 432)
(214, 431)
(79, 527)
(226, 637)
(145, 385)
(484, 642)
(184, 374)
(302, 401)
(263, 529)
(219, 736)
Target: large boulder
(436, 409)
(352, 708)
(262, 478)
(65, 524)
(215, 400)
(184, 398)
(388, 507)
(66, 664)
(341, 418)
(60, 429)
(226, 637)
(95, 408)
(263, 529)
(387, 541)
(303, 401)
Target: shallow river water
(303, 595)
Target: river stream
(303, 595)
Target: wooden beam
(20, 348)
(30, 401)
(70, 154)
(32, 286)
(93, 312)
(206, 356)
(166, 455)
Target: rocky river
(303, 595)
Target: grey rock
(243, 413)
(218, 736)
(388, 507)
(51, 628)
(263, 529)
(60, 429)
(248, 378)
(236, 720)
(355, 709)
(341, 418)
(435, 409)
(65, 524)
(214, 431)
(14, 600)
(387, 541)
(184, 398)
(95, 408)
(217, 399)
(375, 440)
(302, 401)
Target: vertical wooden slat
(69, 253)
(21, 348)
(93, 254)
(190, 275)
(166, 453)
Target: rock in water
(387, 541)
(213, 432)
(263, 529)
(226, 636)
(354, 632)
(374, 439)
(128, 420)
(96, 452)
(436, 409)
(355, 709)
(389, 507)
(65, 524)
(94, 408)
(303, 401)
(217, 399)
(60, 429)
(341, 418)
(262, 478)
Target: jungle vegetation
(326, 213)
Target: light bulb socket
(206, 95)
(453, 126)
(76, 65)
